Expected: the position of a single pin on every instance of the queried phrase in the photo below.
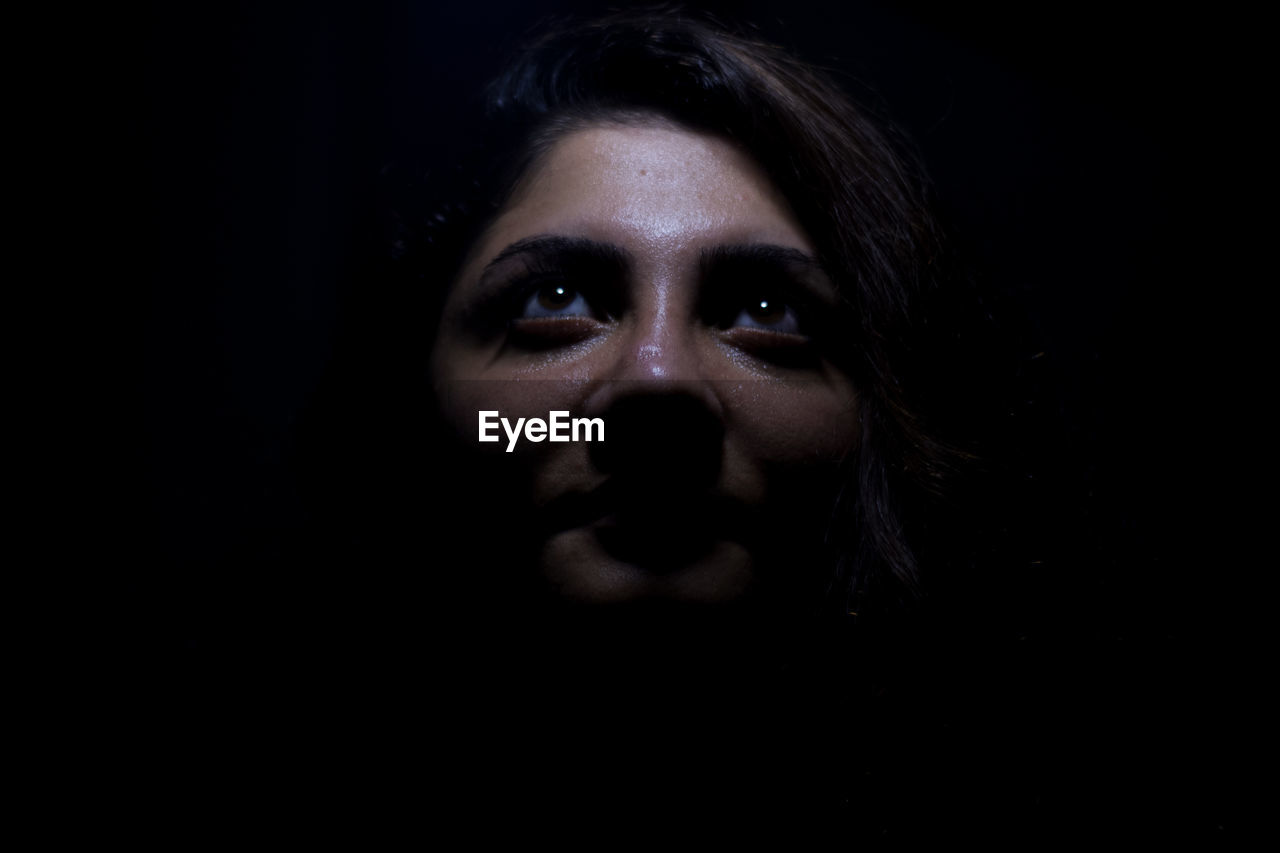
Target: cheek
(786, 438)
(795, 422)
(462, 400)
(531, 473)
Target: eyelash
(783, 314)
(535, 291)
(785, 337)
(533, 306)
(541, 275)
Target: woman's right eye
(555, 299)
(553, 313)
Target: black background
(1070, 147)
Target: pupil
(555, 296)
(765, 310)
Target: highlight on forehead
(544, 139)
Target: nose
(664, 421)
(659, 342)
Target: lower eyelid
(784, 350)
(760, 335)
(557, 330)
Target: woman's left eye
(769, 313)
(555, 299)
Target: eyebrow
(768, 257)
(605, 255)
(760, 252)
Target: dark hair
(854, 185)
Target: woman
(703, 244)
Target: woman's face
(654, 278)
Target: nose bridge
(658, 353)
(666, 423)
(659, 346)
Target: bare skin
(646, 270)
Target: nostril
(660, 439)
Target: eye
(767, 312)
(552, 312)
(554, 299)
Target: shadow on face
(652, 278)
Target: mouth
(657, 530)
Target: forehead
(647, 188)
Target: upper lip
(661, 528)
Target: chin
(600, 565)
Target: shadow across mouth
(655, 546)
(659, 529)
